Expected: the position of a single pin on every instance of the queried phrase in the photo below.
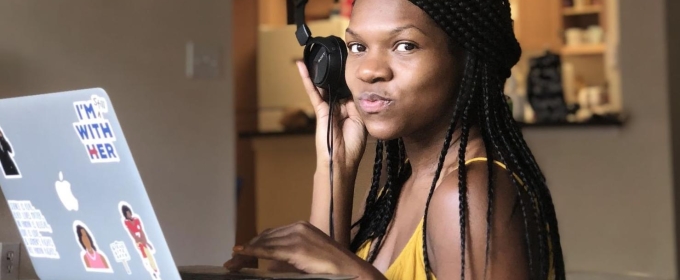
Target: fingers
(351, 108)
(315, 95)
(279, 244)
(238, 262)
(263, 246)
(277, 249)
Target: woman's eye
(355, 48)
(405, 47)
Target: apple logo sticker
(65, 195)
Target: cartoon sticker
(32, 225)
(63, 188)
(9, 167)
(93, 259)
(135, 228)
(95, 130)
(121, 254)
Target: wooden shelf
(570, 11)
(601, 122)
(595, 49)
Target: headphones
(324, 57)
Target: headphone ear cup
(316, 60)
(341, 84)
(325, 59)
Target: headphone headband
(302, 33)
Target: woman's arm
(307, 249)
(349, 142)
(343, 194)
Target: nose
(374, 67)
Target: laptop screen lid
(74, 190)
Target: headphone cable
(329, 143)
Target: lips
(373, 103)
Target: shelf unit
(586, 60)
(586, 10)
(583, 50)
(542, 26)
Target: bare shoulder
(507, 258)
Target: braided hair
(484, 29)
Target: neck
(423, 151)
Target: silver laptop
(76, 196)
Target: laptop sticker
(63, 188)
(95, 131)
(121, 254)
(32, 225)
(7, 163)
(93, 259)
(135, 227)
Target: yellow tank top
(410, 263)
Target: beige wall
(613, 187)
(135, 50)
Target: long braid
(544, 195)
(488, 142)
(381, 202)
(534, 191)
(462, 186)
(462, 170)
(519, 187)
(388, 198)
(469, 68)
(375, 185)
(402, 156)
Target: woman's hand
(349, 132)
(349, 143)
(305, 248)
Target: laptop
(77, 198)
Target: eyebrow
(392, 32)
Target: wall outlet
(9, 261)
(202, 61)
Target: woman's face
(400, 68)
(86, 241)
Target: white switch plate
(9, 261)
(202, 61)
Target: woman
(92, 259)
(426, 78)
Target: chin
(382, 130)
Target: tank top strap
(500, 164)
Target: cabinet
(285, 167)
(537, 24)
(584, 34)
